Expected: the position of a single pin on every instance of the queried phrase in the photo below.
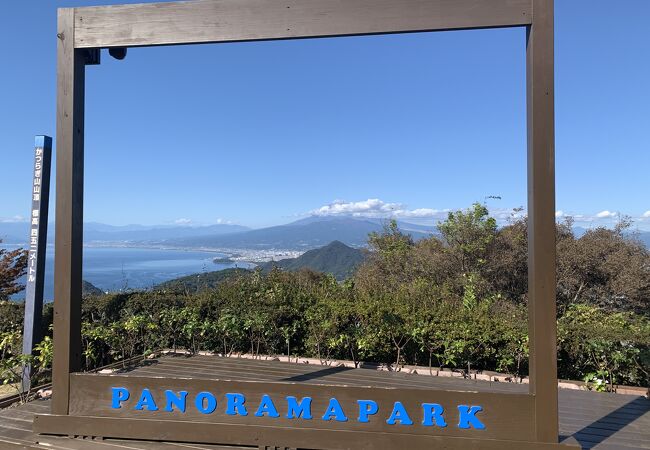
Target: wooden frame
(83, 31)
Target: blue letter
(399, 413)
(366, 408)
(235, 405)
(119, 395)
(205, 402)
(468, 419)
(146, 400)
(334, 410)
(295, 409)
(175, 400)
(433, 412)
(267, 406)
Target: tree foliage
(13, 265)
(456, 300)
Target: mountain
(139, 233)
(335, 258)
(199, 281)
(14, 232)
(642, 236)
(305, 234)
(17, 232)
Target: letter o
(208, 408)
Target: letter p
(366, 408)
(119, 395)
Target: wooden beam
(271, 436)
(502, 415)
(203, 21)
(69, 211)
(541, 221)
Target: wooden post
(69, 211)
(541, 221)
(40, 197)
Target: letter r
(120, 395)
(467, 417)
(433, 413)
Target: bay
(128, 268)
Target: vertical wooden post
(69, 211)
(541, 220)
(38, 214)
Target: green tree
(468, 235)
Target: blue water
(114, 269)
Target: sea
(127, 268)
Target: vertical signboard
(40, 195)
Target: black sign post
(40, 195)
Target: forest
(455, 300)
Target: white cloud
(183, 221)
(606, 215)
(559, 214)
(14, 219)
(375, 208)
(646, 215)
(221, 221)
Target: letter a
(399, 413)
(334, 410)
(146, 401)
(267, 407)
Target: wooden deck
(595, 421)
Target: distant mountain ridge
(12, 233)
(304, 234)
(336, 258)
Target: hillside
(336, 258)
(199, 281)
(89, 289)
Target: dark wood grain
(69, 210)
(503, 414)
(541, 220)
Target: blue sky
(406, 125)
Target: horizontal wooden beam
(204, 21)
(268, 436)
(502, 414)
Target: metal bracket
(92, 56)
